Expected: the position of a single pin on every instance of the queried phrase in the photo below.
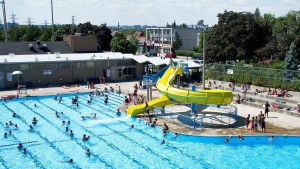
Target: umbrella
(17, 73)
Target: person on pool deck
(85, 138)
(166, 128)
(34, 120)
(16, 126)
(88, 153)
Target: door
(2, 84)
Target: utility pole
(13, 19)
(5, 23)
(29, 22)
(187, 44)
(203, 58)
(52, 21)
(73, 20)
(45, 23)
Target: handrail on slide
(217, 97)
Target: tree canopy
(120, 44)
(236, 37)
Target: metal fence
(218, 115)
(152, 78)
(258, 76)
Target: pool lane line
(109, 144)
(17, 143)
(39, 134)
(80, 144)
(181, 151)
(84, 148)
(36, 162)
(140, 145)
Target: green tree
(177, 42)
(291, 59)
(67, 29)
(119, 43)
(32, 33)
(236, 37)
(2, 35)
(128, 31)
(174, 24)
(46, 34)
(104, 37)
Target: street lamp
(52, 21)
(203, 57)
(4, 18)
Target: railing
(215, 115)
(151, 79)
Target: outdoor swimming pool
(114, 145)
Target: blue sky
(139, 12)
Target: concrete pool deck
(277, 123)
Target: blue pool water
(114, 145)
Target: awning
(157, 61)
(140, 58)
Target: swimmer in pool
(240, 137)
(34, 120)
(5, 135)
(88, 153)
(71, 133)
(35, 105)
(175, 135)
(6, 125)
(227, 139)
(10, 123)
(85, 138)
(82, 118)
(16, 126)
(63, 122)
(30, 127)
(94, 116)
(67, 129)
(14, 115)
(67, 161)
(271, 138)
(20, 146)
(162, 142)
(56, 114)
(132, 126)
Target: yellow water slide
(217, 97)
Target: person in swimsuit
(267, 105)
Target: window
(90, 64)
(75, 65)
(24, 66)
(168, 31)
(51, 66)
(98, 64)
(66, 65)
(33, 66)
(7, 67)
(15, 67)
(42, 66)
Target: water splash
(108, 120)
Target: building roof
(22, 48)
(58, 57)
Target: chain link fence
(258, 76)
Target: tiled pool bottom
(114, 145)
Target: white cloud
(238, 1)
(287, 2)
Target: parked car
(266, 62)
(197, 57)
(200, 62)
(152, 53)
(168, 55)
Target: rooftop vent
(92, 57)
(5, 60)
(36, 59)
(38, 44)
(11, 54)
(57, 54)
(67, 58)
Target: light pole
(52, 21)
(159, 42)
(4, 18)
(203, 53)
